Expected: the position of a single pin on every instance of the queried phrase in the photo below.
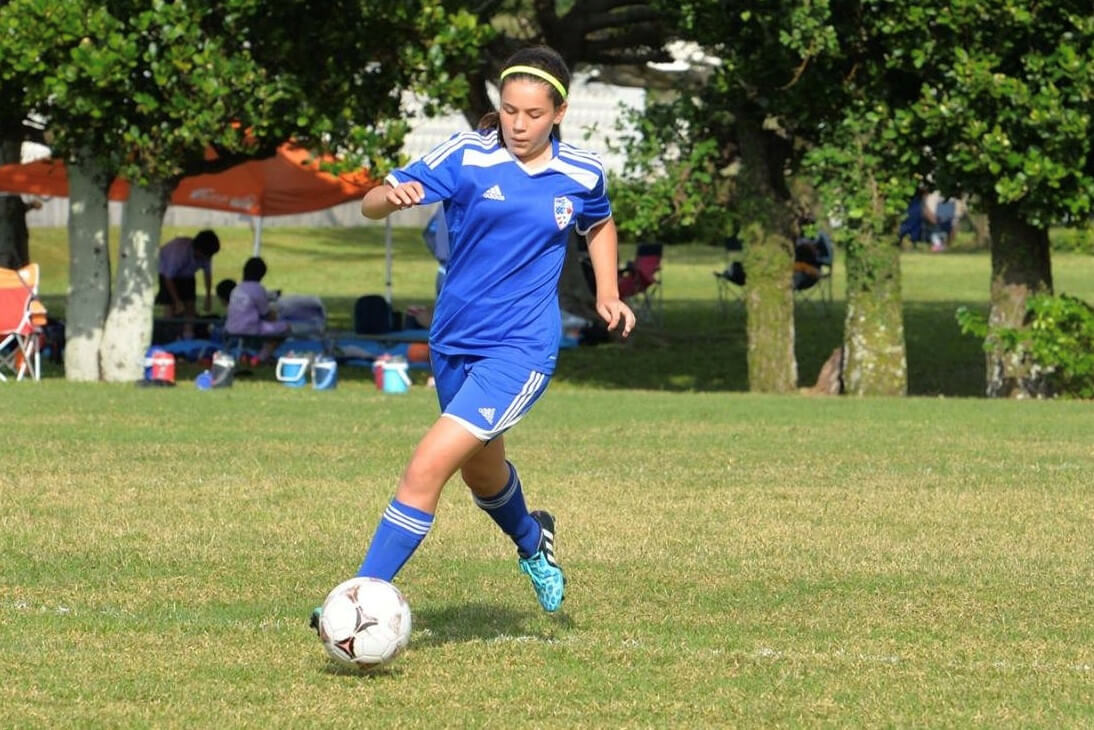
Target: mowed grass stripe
(733, 559)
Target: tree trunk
(88, 268)
(768, 261)
(876, 362)
(14, 250)
(478, 99)
(1021, 265)
(129, 323)
(769, 305)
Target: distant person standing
(930, 217)
(941, 216)
(180, 260)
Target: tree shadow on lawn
(484, 622)
(702, 348)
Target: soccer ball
(364, 623)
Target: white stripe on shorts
(515, 411)
(479, 433)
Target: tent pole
(257, 221)
(387, 259)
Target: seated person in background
(179, 261)
(810, 252)
(224, 291)
(250, 313)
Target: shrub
(1074, 240)
(1058, 339)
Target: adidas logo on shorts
(494, 193)
(488, 414)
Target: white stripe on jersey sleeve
(580, 155)
(442, 151)
(447, 145)
(476, 158)
(585, 178)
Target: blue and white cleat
(542, 568)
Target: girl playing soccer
(511, 191)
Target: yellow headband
(536, 72)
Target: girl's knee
(485, 478)
(422, 479)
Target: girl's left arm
(604, 252)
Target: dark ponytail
(490, 121)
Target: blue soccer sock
(507, 508)
(400, 532)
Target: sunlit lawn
(734, 560)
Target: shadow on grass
(699, 346)
(483, 622)
(388, 672)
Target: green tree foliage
(152, 86)
(146, 89)
(1006, 102)
(743, 129)
(677, 181)
(1005, 111)
(988, 98)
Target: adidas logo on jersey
(488, 414)
(494, 193)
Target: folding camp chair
(731, 279)
(640, 282)
(813, 260)
(22, 318)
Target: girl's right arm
(383, 200)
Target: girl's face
(527, 116)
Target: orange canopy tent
(289, 182)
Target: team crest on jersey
(564, 211)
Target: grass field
(733, 559)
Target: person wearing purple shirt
(179, 261)
(249, 310)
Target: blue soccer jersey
(507, 228)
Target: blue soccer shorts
(485, 395)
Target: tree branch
(630, 16)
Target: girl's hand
(616, 312)
(406, 195)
